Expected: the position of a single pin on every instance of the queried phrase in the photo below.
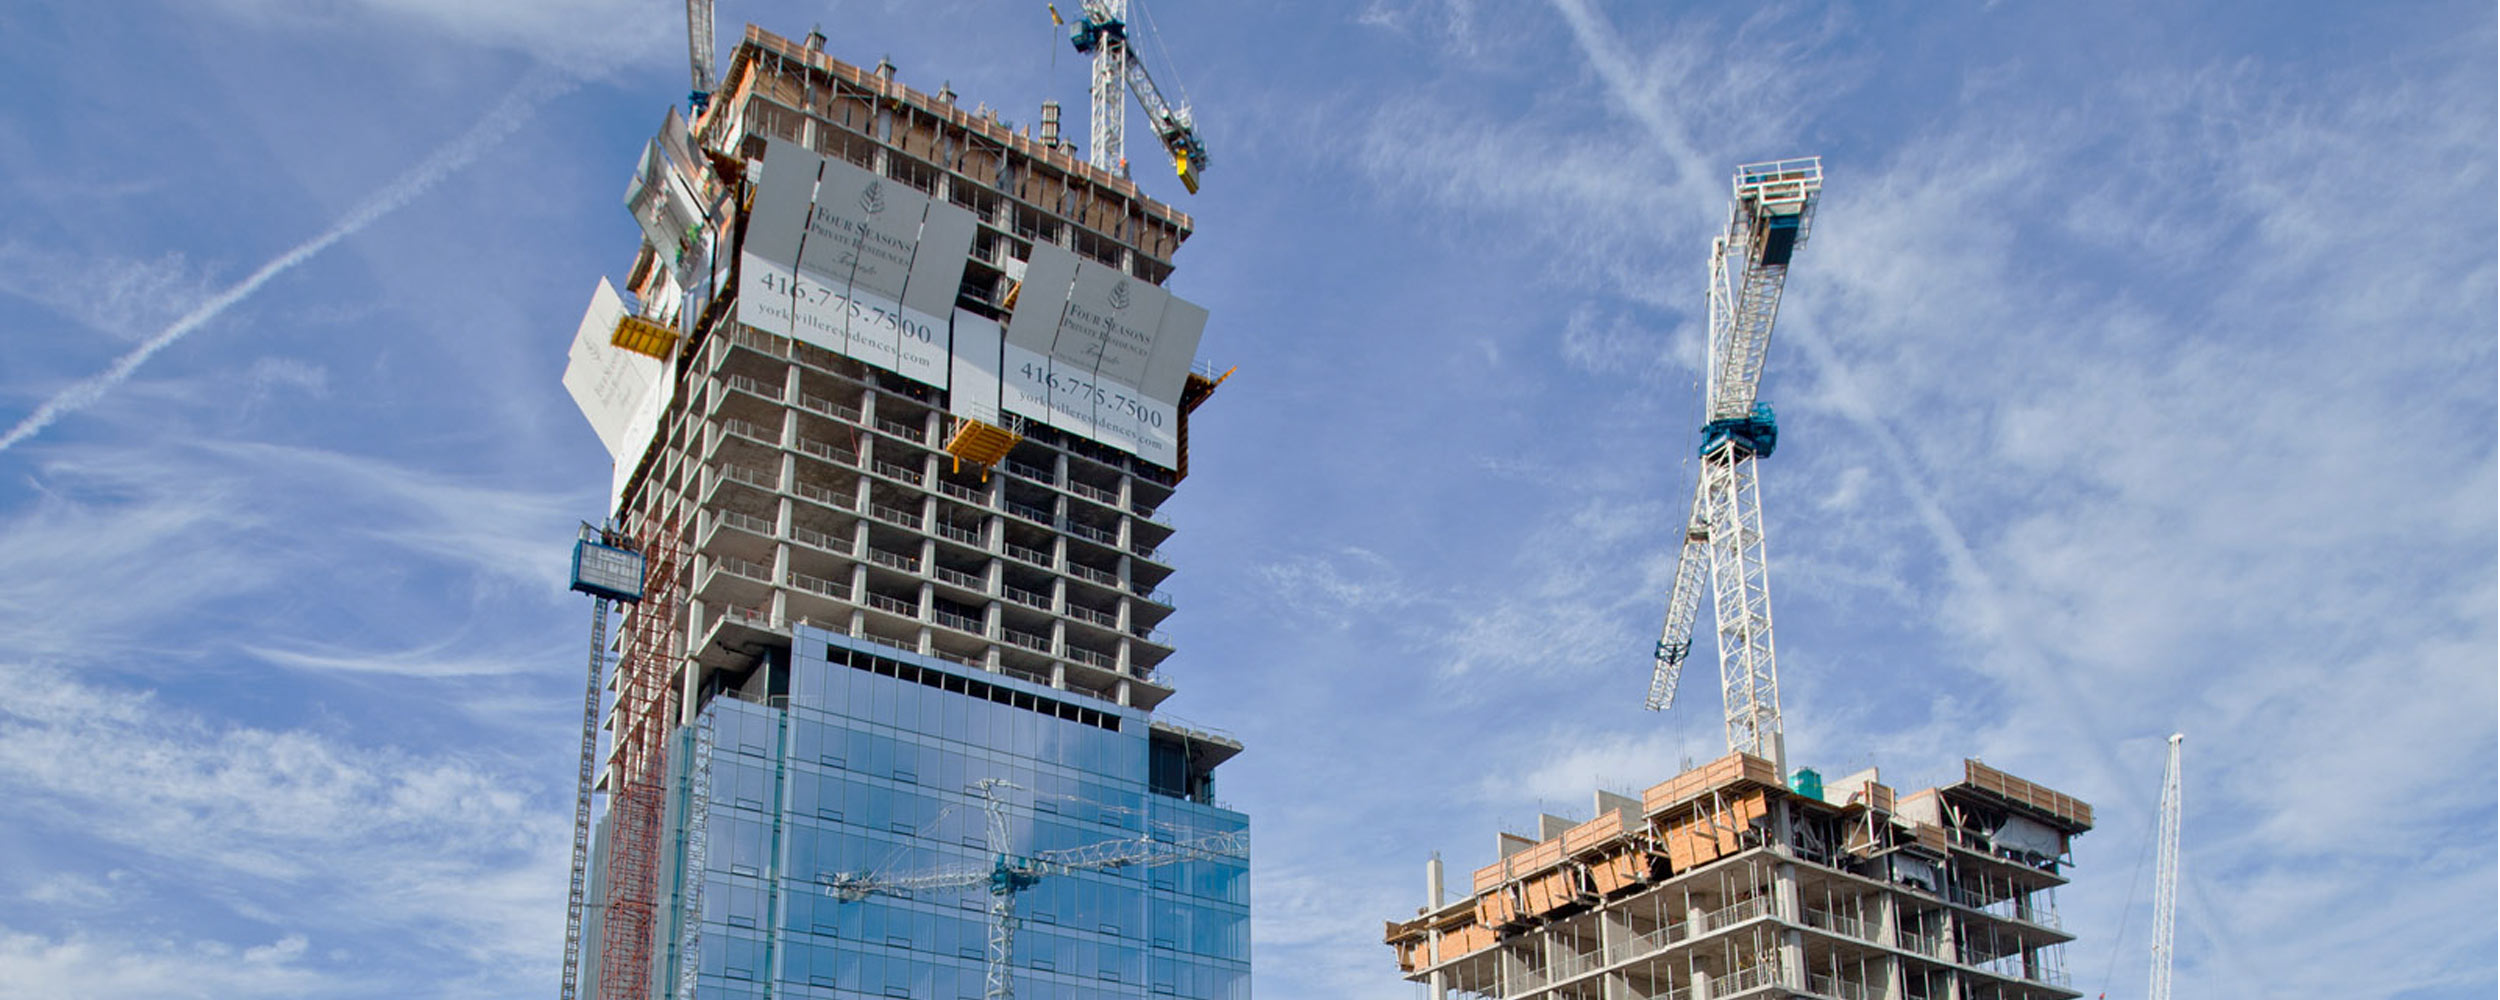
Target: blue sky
(2139, 378)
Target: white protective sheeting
(610, 384)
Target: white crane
(1769, 216)
(1008, 874)
(2166, 876)
(1101, 31)
(699, 53)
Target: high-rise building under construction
(1727, 881)
(894, 394)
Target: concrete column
(1792, 958)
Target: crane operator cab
(1779, 196)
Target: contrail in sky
(517, 107)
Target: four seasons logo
(1119, 296)
(872, 198)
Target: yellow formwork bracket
(980, 443)
(644, 337)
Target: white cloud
(279, 825)
(586, 37)
(112, 968)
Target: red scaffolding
(646, 709)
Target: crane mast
(1101, 31)
(2166, 876)
(1008, 874)
(699, 53)
(1769, 216)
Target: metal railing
(965, 493)
(826, 496)
(968, 581)
(1038, 515)
(1735, 913)
(1085, 614)
(1834, 986)
(1033, 472)
(1085, 572)
(969, 661)
(897, 560)
(1086, 531)
(750, 476)
(811, 536)
(1143, 551)
(955, 532)
(748, 522)
(747, 428)
(763, 342)
(1151, 595)
(895, 514)
(908, 432)
(1642, 944)
(755, 571)
(830, 408)
(1094, 493)
(1038, 557)
(819, 585)
(755, 386)
(897, 605)
(1029, 598)
(1751, 977)
(829, 452)
(891, 470)
(962, 623)
(1840, 923)
(1153, 635)
(1030, 640)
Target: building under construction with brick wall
(1726, 881)
(895, 396)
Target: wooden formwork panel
(1725, 772)
(1495, 909)
(1550, 892)
(1467, 941)
(2076, 812)
(1593, 833)
(1617, 873)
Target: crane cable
(1156, 33)
(2119, 942)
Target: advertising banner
(861, 265)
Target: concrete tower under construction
(1726, 881)
(895, 395)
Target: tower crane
(2166, 876)
(1769, 216)
(1101, 31)
(1008, 874)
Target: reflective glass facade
(867, 767)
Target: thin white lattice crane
(2166, 876)
(1008, 874)
(1769, 216)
